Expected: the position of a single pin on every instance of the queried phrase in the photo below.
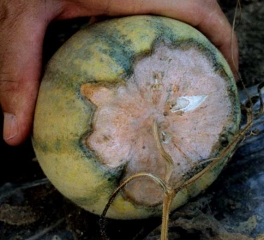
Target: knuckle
(7, 85)
(11, 10)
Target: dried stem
(122, 185)
(170, 193)
(168, 198)
(164, 154)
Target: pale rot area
(179, 90)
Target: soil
(31, 208)
(250, 33)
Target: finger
(218, 29)
(93, 20)
(207, 16)
(20, 68)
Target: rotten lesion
(155, 125)
(122, 122)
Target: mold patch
(179, 90)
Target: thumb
(22, 33)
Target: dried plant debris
(261, 237)
(17, 215)
(250, 33)
(192, 223)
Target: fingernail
(10, 126)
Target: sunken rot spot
(179, 90)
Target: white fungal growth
(179, 90)
(187, 103)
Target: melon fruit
(98, 99)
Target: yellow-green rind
(105, 53)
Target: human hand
(23, 25)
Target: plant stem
(168, 198)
